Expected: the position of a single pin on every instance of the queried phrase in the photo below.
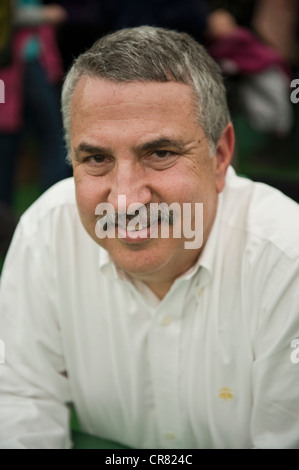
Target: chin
(139, 260)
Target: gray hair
(154, 54)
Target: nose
(129, 185)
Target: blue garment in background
(42, 115)
(32, 47)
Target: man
(156, 342)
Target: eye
(95, 159)
(97, 165)
(161, 159)
(162, 154)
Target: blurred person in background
(276, 22)
(31, 98)
(261, 74)
(8, 219)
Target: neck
(160, 289)
(160, 283)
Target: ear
(223, 155)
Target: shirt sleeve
(275, 375)
(34, 391)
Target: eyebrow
(155, 144)
(84, 147)
(162, 142)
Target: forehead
(107, 100)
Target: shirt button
(170, 436)
(199, 292)
(166, 321)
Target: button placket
(165, 350)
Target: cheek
(177, 185)
(186, 189)
(88, 196)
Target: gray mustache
(144, 215)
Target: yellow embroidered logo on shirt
(226, 394)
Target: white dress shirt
(209, 366)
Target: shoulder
(51, 233)
(264, 215)
(56, 205)
(260, 229)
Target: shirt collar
(205, 261)
(106, 265)
(207, 256)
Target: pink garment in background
(11, 116)
(242, 53)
